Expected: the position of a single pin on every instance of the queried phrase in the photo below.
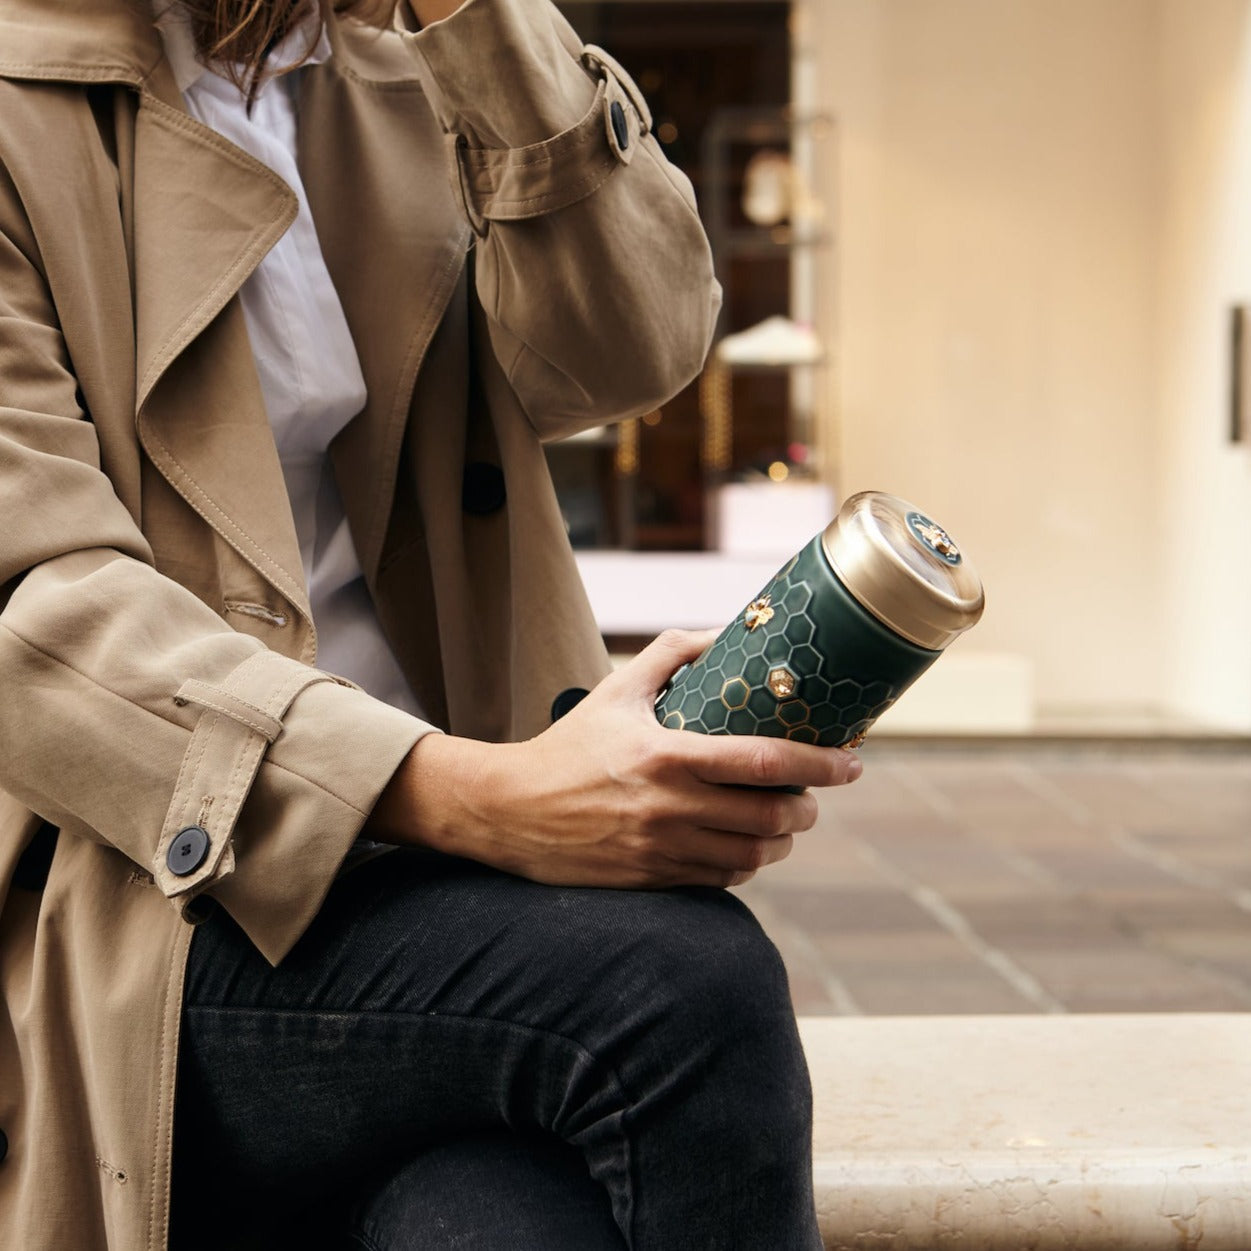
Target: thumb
(661, 658)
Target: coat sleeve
(130, 712)
(593, 266)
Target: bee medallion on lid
(934, 537)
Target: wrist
(439, 797)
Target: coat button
(188, 851)
(482, 489)
(619, 128)
(567, 701)
(4, 1146)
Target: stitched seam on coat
(563, 198)
(162, 1085)
(548, 151)
(97, 73)
(273, 764)
(296, 684)
(247, 762)
(185, 771)
(233, 714)
(193, 690)
(344, 70)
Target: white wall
(997, 284)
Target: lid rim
(929, 606)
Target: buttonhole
(257, 611)
(117, 1174)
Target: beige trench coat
(517, 261)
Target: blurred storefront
(985, 255)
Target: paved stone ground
(1032, 878)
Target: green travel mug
(842, 630)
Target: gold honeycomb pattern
(773, 679)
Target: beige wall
(1205, 266)
(998, 310)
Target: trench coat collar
(78, 40)
(116, 41)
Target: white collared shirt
(309, 370)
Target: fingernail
(855, 767)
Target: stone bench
(1130, 1131)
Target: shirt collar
(175, 28)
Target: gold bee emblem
(759, 612)
(937, 538)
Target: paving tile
(1225, 951)
(913, 951)
(1021, 921)
(986, 880)
(822, 910)
(949, 860)
(1099, 865)
(1108, 793)
(1174, 908)
(935, 995)
(1128, 980)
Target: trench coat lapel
(199, 215)
(204, 214)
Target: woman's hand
(609, 797)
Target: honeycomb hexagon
(782, 682)
(735, 693)
(794, 712)
(729, 688)
(799, 629)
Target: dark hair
(236, 36)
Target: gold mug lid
(904, 568)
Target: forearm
(607, 797)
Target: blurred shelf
(768, 243)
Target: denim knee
(721, 985)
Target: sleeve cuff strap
(239, 719)
(514, 184)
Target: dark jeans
(453, 1057)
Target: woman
(271, 943)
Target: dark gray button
(188, 851)
(4, 1146)
(482, 489)
(619, 128)
(567, 701)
